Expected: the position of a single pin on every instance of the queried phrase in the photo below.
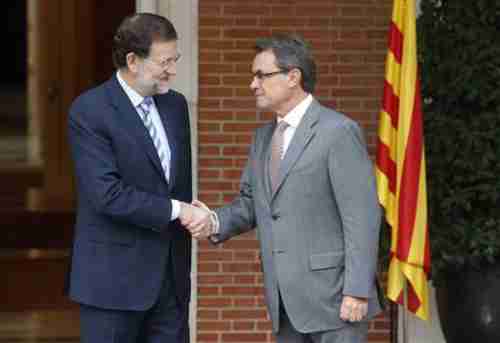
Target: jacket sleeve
(353, 182)
(239, 216)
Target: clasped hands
(197, 219)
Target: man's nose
(172, 68)
(254, 84)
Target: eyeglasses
(259, 75)
(166, 63)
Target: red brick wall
(349, 42)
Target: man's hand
(197, 220)
(353, 309)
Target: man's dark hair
(291, 51)
(137, 33)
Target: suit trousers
(350, 333)
(166, 321)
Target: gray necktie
(277, 145)
(163, 151)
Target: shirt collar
(294, 117)
(134, 97)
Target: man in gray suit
(309, 189)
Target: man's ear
(132, 62)
(295, 77)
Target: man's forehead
(164, 47)
(263, 61)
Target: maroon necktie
(277, 144)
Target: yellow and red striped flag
(400, 167)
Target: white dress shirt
(293, 119)
(136, 100)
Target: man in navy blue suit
(130, 143)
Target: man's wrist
(176, 209)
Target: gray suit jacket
(319, 231)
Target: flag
(400, 165)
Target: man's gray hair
(291, 51)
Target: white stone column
(184, 16)
(420, 331)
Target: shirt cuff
(215, 222)
(176, 209)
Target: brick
(244, 326)
(243, 138)
(285, 21)
(264, 325)
(246, 33)
(205, 115)
(216, 92)
(209, 174)
(209, 150)
(240, 267)
(207, 127)
(208, 291)
(243, 337)
(215, 162)
(283, 11)
(209, 10)
(241, 244)
(207, 337)
(214, 68)
(215, 255)
(246, 10)
(243, 314)
(208, 314)
(208, 103)
(244, 302)
(208, 267)
(214, 279)
(250, 255)
(236, 81)
(214, 302)
(207, 80)
(242, 290)
(212, 21)
(245, 279)
(204, 326)
(352, 11)
(314, 11)
(210, 55)
(232, 174)
(378, 336)
(235, 57)
(206, 32)
(217, 186)
(238, 104)
(249, 46)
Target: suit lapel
(169, 124)
(303, 135)
(266, 154)
(132, 121)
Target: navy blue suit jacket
(125, 244)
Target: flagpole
(405, 314)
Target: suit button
(275, 216)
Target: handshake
(198, 219)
